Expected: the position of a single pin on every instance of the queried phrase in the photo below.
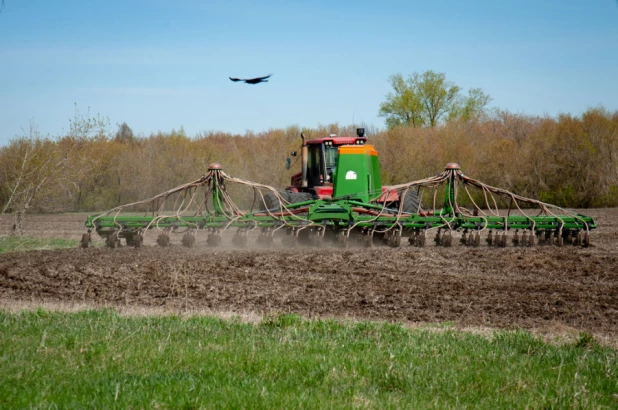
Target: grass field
(19, 243)
(100, 359)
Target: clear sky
(159, 65)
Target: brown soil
(566, 289)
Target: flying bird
(252, 80)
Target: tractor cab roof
(338, 140)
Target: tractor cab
(318, 162)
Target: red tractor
(318, 160)
(315, 180)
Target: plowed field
(568, 289)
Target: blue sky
(160, 65)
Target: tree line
(570, 161)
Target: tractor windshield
(330, 154)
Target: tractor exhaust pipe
(304, 158)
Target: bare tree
(29, 163)
(84, 148)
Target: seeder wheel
(138, 240)
(418, 239)
(240, 238)
(163, 239)
(134, 239)
(586, 241)
(291, 241)
(188, 239)
(438, 238)
(447, 239)
(464, 240)
(503, 240)
(559, 240)
(316, 237)
(393, 238)
(413, 239)
(214, 239)
(397, 240)
(343, 239)
(470, 239)
(112, 240)
(516, 238)
(266, 238)
(368, 239)
(490, 238)
(86, 239)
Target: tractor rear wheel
(272, 202)
(296, 197)
(411, 202)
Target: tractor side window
(313, 165)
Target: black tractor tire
(296, 197)
(271, 202)
(411, 202)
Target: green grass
(19, 243)
(99, 359)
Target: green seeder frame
(349, 214)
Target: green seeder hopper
(338, 199)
